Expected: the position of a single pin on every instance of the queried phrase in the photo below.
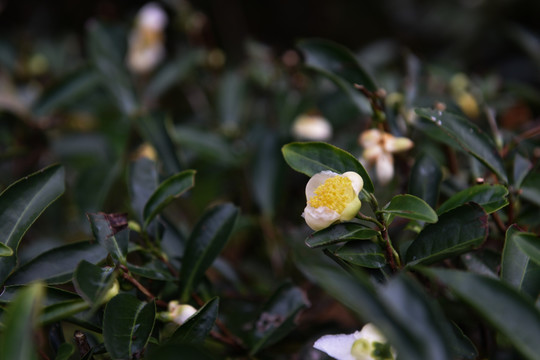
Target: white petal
(372, 152)
(152, 16)
(319, 218)
(385, 168)
(397, 144)
(370, 138)
(356, 180)
(338, 346)
(312, 127)
(316, 180)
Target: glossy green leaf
(57, 265)
(363, 253)
(278, 316)
(490, 197)
(21, 204)
(154, 269)
(62, 310)
(198, 326)
(311, 158)
(423, 318)
(425, 179)
(65, 351)
(410, 207)
(530, 245)
(173, 72)
(153, 129)
(92, 282)
(110, 232)
(127, 325)
(339, 65)
(457, 231)
(339, 233)
(517, 267)
(358, 294)
(5, 250)
(530, 187)
(204, 245)
(142, 182)
(22, 320)
(67, 91)
(466, 135)
(167, 191)
(509, 312)
(105, 52)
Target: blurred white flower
(180, 313)
(312, 127)
(378, 149)
(332, 197)
(367, 344)
(146, 49)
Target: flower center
(335, 193)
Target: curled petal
(320, 218)
(369, 138)
(397, 144)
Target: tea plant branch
(126, 275)
(228, 337)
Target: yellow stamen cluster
(335, 193)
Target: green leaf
(171, 352)
(154, 269)
(457, 231)
(410, 207)
(21, 321)
(339, 233)
(173, 72)
(465, 134)
(358, 294)
(363, 253)
(198, 326)
(62, 311)
(425, 179)
(490, 197)
(104, 50)
(530, 245)
(68, 90)
(267, 174)
(510, 313)
(93, 282)
(53, 295)
(153, 129)
(278, 316)
(110, 232)
(207, 145)
(310, 158)
(423, 318)
(65, 351)
(127, 326)
(57, 265)
(167, 191)
(143, 181)
(530, 187)
(204, 245)
(339, 65)
(231, 99)
(5, 250)
(21, 204)
(517, 267)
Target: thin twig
(141, 288)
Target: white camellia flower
(332, 197)
(367, 344)
(378, 149)
(180, 313)
(146, 48)
(312, 127)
